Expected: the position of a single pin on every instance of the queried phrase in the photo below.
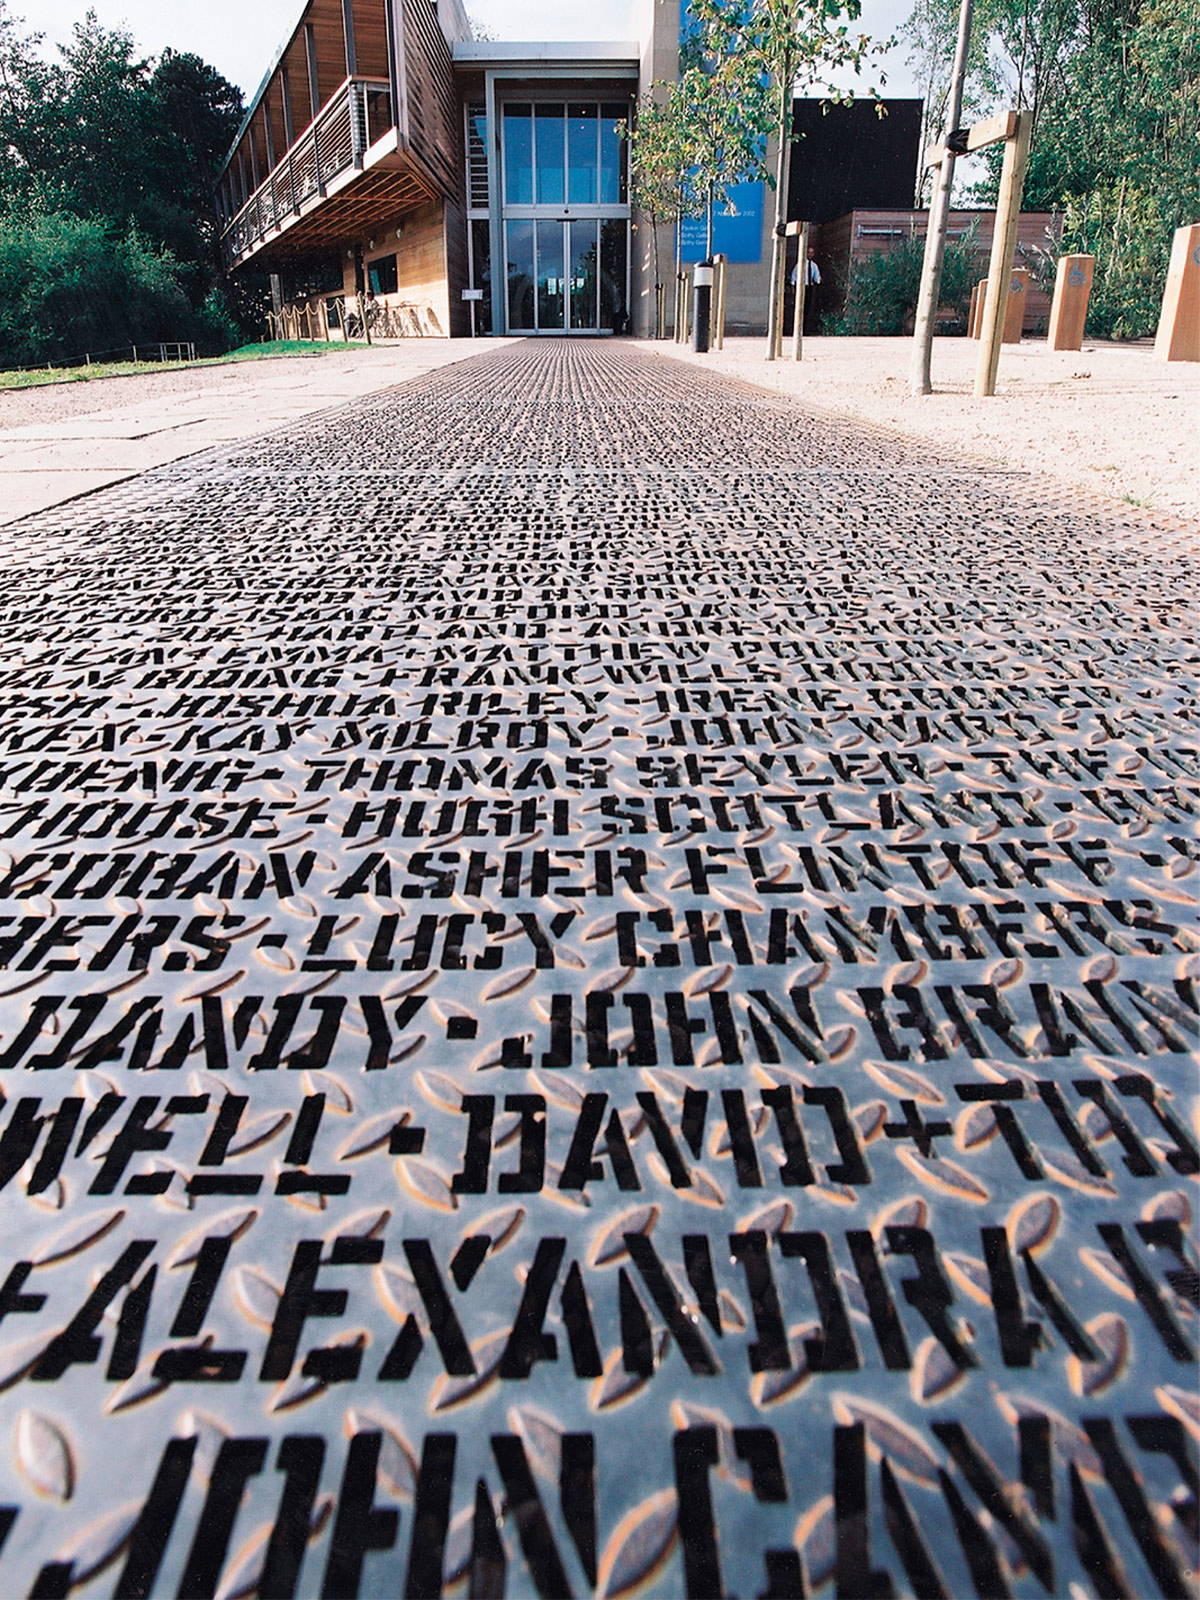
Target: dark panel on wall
(849, 156)
(457, 267)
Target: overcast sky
(240, 39)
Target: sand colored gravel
(1110, 418)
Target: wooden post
(975, 314)
(1014, 309)
(801, 295)
(1068, 310)
(778, 284)
(720, 266)
(1008, 208)
(1178, 337)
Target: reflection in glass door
(567, 277)
(520, 256)
(583, 273)
(550, 276)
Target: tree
(769, 50)
(693, 140)
(1114, 89)
(931, 32)
(132, 145)
(69, 286)
(659, 160)
(722, 133)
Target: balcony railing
(358, 114)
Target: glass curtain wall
(564, 167)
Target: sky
(240, 39)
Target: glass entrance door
(565, 217)
(567, 276)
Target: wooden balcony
(344, 172)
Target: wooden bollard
(1068, 310)
(1178, 337)
(975, 314)
(1014, 306)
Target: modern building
(390, 165)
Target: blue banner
(737, 237)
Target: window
(477, 162)
(520, 275)
(612, 155)
(382, 275)
(518, 154)
(582, 126)
(551, 185)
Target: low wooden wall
(858, 235)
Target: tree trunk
(778, 239)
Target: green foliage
(69, 285)
(107, 163)
(1114, 88)
(696, 138)
(881, 297)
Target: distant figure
(812, 290)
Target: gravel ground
(1110, 418)
(55, 402)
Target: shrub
(70, 285)
(882, 294)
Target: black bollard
(702, 282)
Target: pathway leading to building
(600, 995)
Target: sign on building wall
(737, 234)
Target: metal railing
(347, 125)
(156, 350)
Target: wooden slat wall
(325, 19)
(370, 39)
(457, 267)
(435, 134)
(840, 243)
(434, 121)
(296, 63)
(421, 261)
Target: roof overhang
(506, 57)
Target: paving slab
(599, 997)
(107, 430)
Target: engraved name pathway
(599, 988)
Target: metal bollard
(702, 282)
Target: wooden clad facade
(355, 124)
(434, 121)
